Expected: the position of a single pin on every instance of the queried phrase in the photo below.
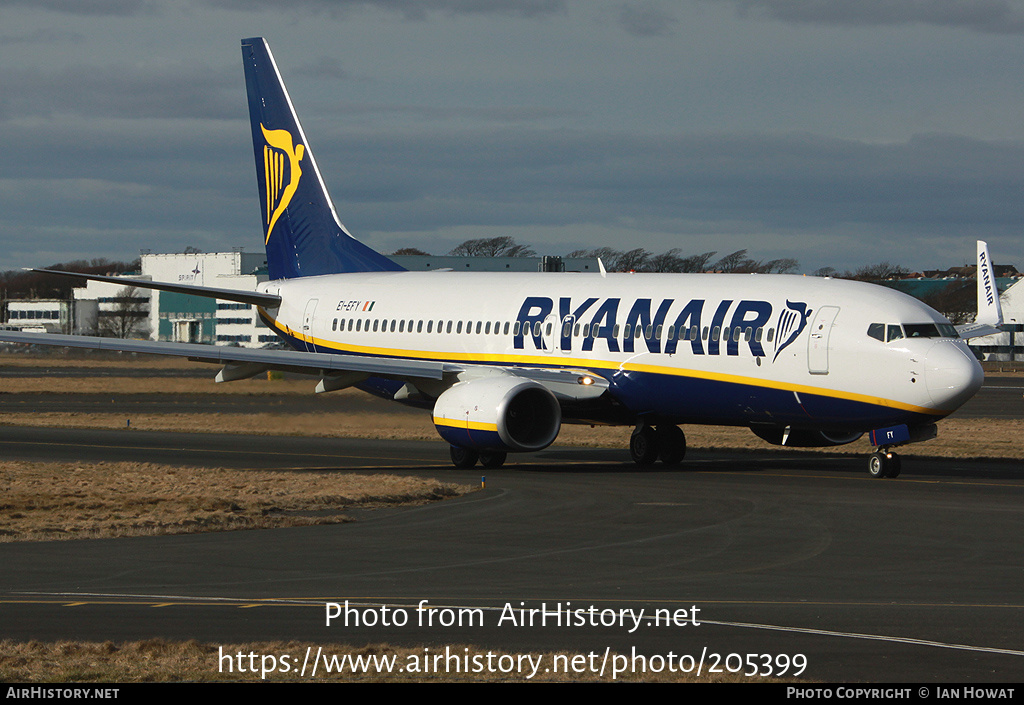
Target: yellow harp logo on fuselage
(281, 171)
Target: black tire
(894, 466)
(464, 458)
(492, 459)
(878, 465)
(672, 442)
(643, 446)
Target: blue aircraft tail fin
(303, 234)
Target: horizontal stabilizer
(977, 330)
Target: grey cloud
(411, 9)
(646, 20)
(325, 68)
(84, 7)
(171, 91)
(560, 178)
(42, 36)
(992, 16)
(157, 176)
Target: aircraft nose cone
(952, 375)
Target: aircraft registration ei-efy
(507, 358)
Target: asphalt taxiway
(913, 579)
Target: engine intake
(498, 413)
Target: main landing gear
(465, 458)
(665, 441)
(884, 463)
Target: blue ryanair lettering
(762, 311)
(640, 315)
(565, 311)
(603, 326)
(752, 316)
(986, 278)
(531, 315)
(687, 318)
(716, 325)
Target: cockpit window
(921, 330)
(890, 332)
(930, 330)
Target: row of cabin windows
(401, 326)
(888, 332)
(585, 330)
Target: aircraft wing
(568, 385)
(253, 360)
(245, 297)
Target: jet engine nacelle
(804, 438)
(498, 413)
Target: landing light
(585, 380)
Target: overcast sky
(838, 132)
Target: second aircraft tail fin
(990, 311)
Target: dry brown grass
(43, 501)
(154, 385)
(79, 358)
(958, 438)
(162, 661)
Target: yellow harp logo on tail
(281, 171)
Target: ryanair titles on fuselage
(698, 323)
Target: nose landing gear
(884, 463)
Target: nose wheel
(884, 463)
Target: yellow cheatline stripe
(561, 361)
(471, 425)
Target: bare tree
(127, 318)
(636, 260)
(697, 263)
(492, 247)
(876, 272)
(666, 262)
(731, 262)
(956, 301)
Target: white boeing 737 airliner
(502, 360)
